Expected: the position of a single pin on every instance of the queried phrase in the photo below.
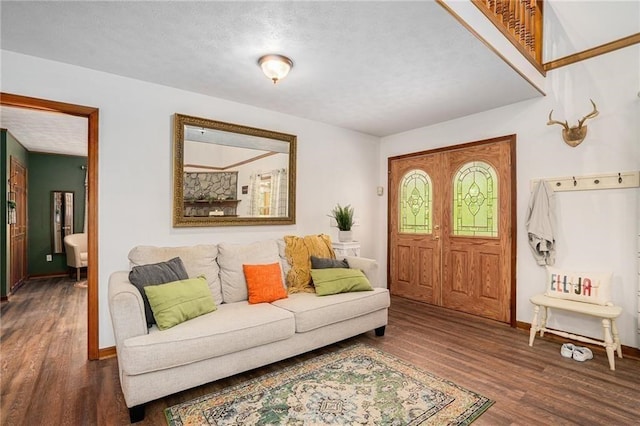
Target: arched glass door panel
(475, 200)
(415, 203)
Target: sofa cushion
(586, 287)
(154, 274)
(179, 301)
(264, 283)
(231, 257)
(324, 263)
(231, 328)
(198, 260)
(339, 280)
(284, 263)
(312, 311)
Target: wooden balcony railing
(520, 21)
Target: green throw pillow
(339, 280)
(179, 301)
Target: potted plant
(344, 220)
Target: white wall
(596, 229)
(579, 25)
(135, 162)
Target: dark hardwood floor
(46, 379)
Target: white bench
(607, 313)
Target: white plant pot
(345, 236)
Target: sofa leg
(380, 331)
(136, 414)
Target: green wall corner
(47, 173)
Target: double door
(450, 228)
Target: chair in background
(75, 246)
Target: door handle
(436, 238)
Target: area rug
(359, 385)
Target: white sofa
(237, 336)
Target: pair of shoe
(579, 353)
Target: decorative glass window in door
(475, 200)
(415, 203)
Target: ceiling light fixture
(276, 67)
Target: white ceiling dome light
(276, 67)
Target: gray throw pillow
(154, 274)
(322, 263)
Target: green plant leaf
(343, 216)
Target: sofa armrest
(126, 308)
(369, 267)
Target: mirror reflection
(61, 218)
(228, 174)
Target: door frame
(514, 217)
(91, 113)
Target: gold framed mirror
(227, 174)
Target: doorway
(91, 114)
(451, 227)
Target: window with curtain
(475, 200)
(269, 193)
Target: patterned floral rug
(359, 385)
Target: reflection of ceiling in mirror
(202, 156)
(211, 149)
(219, 137)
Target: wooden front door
(18, 227)
(415, 253)
(450, 228)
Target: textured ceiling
(375, 67)
(49, 132)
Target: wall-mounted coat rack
(600, 181)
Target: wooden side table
(351, 248)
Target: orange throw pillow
(264, 283)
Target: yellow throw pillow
(298, 251)
(264, 283)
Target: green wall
(50, 172)
(9, 147)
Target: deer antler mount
(573, 136)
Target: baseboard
(627, 351)
(49, 275)
(105, 353)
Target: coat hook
(574, 181)
(619, 178)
